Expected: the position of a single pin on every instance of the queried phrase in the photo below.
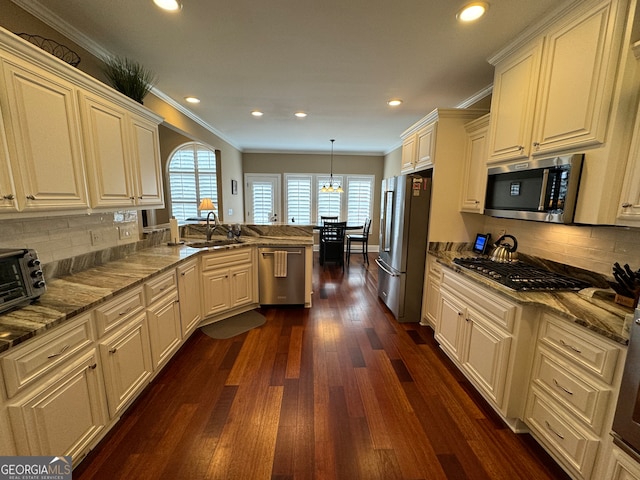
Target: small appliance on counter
(21, 278)
(504, 252)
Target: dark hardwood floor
(338, 391)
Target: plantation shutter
(329, 203)
(299, 199)
(263, 207)
(359, 191)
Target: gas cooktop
(521, 276)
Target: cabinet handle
(140, 197)
(624, 205)
(93, 366)
(113, 350)
(8, 197)
(183, 273)
(561, 387)
(62, 350)
(550, 428)
(566, 345)
(128, 310)
(536, 144)
(31, 197)
(521, 147)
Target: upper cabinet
(72, 142)
(475, 166)
(43, 137)
(122, 154)
(554, 93)
(418, 149)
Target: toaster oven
(21, 278)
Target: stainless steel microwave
(21, 278)
(544, 190)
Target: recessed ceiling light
(257, 113)
(472, 11)
(394, 102)
(170, 5)
(192, 99)
(300, 114)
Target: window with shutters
(298, 198)
(329, 204)
(192, 176)
(359, 191)
(263, 206)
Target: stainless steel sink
(214, 243)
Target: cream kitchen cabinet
(163, 316)
(7, 444)
(629, 207)
(489, 338)
(8, 200)
(622, 466)
(44, 145)
(475, 166)
(550, 95)
(189, 294)
(65, 414)
(122, 153)
(126, 363)
(418, 150)
(571, 399)
(228, 281)
(431, 297)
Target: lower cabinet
(189, 294)
(571, 399)
(228, 280)
(489, 338)
(126, 363)
(622, 466)
(431, 297)
(64, 414)
(164, 328)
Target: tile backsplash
(60, 237)
(591, 247)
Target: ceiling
(337, 60)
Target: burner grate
(521, 276)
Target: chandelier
(330, 188)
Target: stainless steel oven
(626, 423)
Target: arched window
(192, 177)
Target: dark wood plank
(337, 391)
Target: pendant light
(331, 188)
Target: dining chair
(332, 243)
(362, 239)
(325, 219)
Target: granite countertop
(72, 294)
(598, 314)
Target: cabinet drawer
(156, 288)
(579, 346)
(570, 388)
(118, 311)
(574, 447)
(435, 269)
(218, 260)
(493, 307)
(27, 363)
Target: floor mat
(232, 326)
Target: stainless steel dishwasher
(285, 287)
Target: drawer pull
(113, 350)
(550, 428)
(62, 350)
(566, 345)
(93, 366)
(561, 387)
(128, 310)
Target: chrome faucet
(211, 229)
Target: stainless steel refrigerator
(404, 223)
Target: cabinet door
(8, 202)
(164, 329)
(107, 151)
(126, 363)
(426, 139)
(574, 97)
(146, 158)
(512, 104)
(216, 293)
(189, 295)
(486, 355)
(629, 209)
(450, 324)
(41, 120)
(432, 300)
(475, 170)
(622, 466)
(408, 154)
(65, 415)
(241, 278)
